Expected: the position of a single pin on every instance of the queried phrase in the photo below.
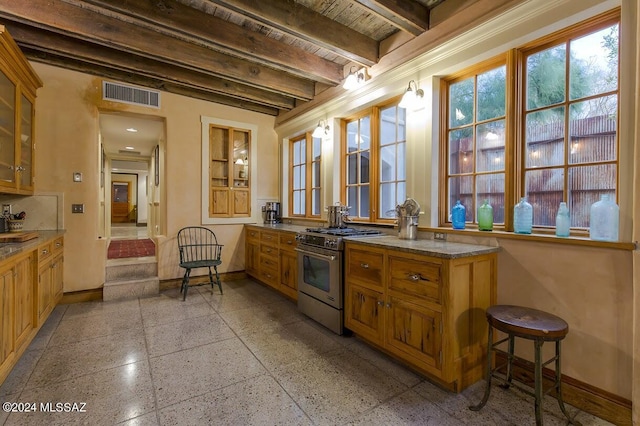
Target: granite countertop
(435, 248)
(441, 249)
(8, 250)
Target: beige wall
(67, 141)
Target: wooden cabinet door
(219, 202)
(57, 278)
(414, 333)
(45, 294)
(364, 312)
(241, 203)
(252, 257)
(24, 305)
(289, 273)
(7, 317)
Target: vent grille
(125, 151)
(130, 95)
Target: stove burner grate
(344, 232)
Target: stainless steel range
(320, 274)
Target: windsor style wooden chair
(199, 248)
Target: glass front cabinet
(229, 177)
(18, 85)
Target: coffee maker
(272, 214)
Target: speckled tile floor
(247, 357)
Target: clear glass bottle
(485, 217)
(604, 219)
(563, 221)
(458, 216)
(522, 217)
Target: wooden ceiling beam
(38, 40)
(407, 15)
(59, 16)
(138, 80)
(303, 23)
(175, 19)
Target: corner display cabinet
(18, 85)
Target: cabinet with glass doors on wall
(18, 85)
(229, 172)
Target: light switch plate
(77, 177)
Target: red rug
(119, 249)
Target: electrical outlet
(77, 208)
(440, 236)
(6, 209)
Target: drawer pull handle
(417, 277)
(289, 242)
(268, 250)
(380, 303)
(58, 244)
(364, 265)
(388, 305)
(45, 251)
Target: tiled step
(131, 268)
(131, 278)
(130, 289)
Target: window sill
(544, 238)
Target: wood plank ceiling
(267, 56)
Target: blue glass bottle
(458, 216)
(523, 217)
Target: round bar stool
(530, 324)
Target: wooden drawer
(269, 237)
(269, 272)
(58, 245)
(416, 278)
(270, 262)
(269, 250)
(253, 234)
(45, 251)
(364, 267)
(288, 241)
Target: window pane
(388, 163)
(388, 126)
(491, 187)
(315, 175)
(461, 151)
(593, 130)
(492, 94)
(352, 136)
(296, 152)
(461, 103)
(546, 77)
(296, 178)
(593, 64)
(402, 126)
(364, 167)
(388, 200)
(586, 184)
(352, 200)
(545, 138)
(365, 133)
(296, 203)
(315, 202)
(402, 164)
(352, 176)
(461, 188)
(544, 189)
(317, 149)
(364, 201)
(490, 146)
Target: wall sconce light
(320, 130)
(354, 79)
(411, 98)
(240, 162)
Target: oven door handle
(310, 253)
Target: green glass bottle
(485, 217)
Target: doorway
(130, 175)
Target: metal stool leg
(509, 376)
(538, 379)
(558, 386)
(489, 373)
